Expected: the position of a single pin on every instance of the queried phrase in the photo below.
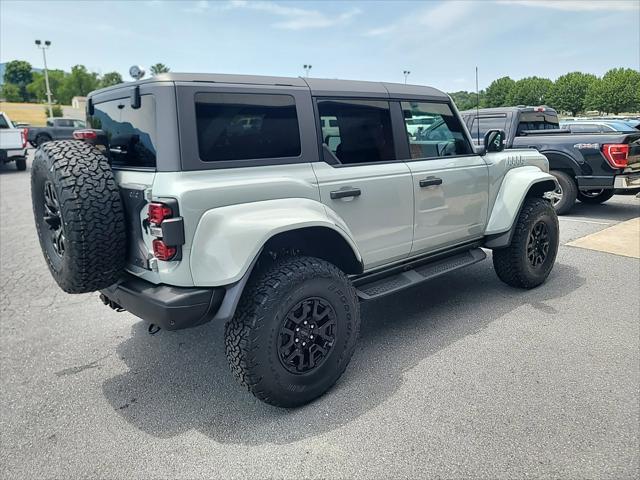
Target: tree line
(616, 91)
(22, 84)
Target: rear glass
(537, 121)
(131, 132)
(238, 126)
(497, 122)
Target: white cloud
(578, 5)
(292, 18)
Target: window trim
(188, 137)
(397, 149)
(456, 114)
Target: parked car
(13, 143)
(597, 126)
(56, 129)
(183, 218)
(588, 166)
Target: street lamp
(406, 74)
(42, 47)
(307, 69)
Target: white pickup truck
(13, 143)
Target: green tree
(56, 111)
(159, 68)
(38, 88)
(498, 92)
(18, 72)
(109, 79)
(11, 92)
(617, 91)
(530, 91)
(77, 84)
(570, 91)
(467, 100)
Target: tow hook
(153, 329)
(110, 303)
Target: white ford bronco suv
(277, 205)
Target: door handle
(429, 181)
(345, 193)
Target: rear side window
(3, 122)
(484, 124)
(237, 126)
(433, 130)
(131, 133)
(357, 131)
(584, 128)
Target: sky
(439, 42)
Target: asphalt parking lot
(463, 377)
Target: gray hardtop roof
(508, 109)
(318, 86)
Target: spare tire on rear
(79, 215)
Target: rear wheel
(294, 332)
(528, 260)
(595, 196)
(79, 216)
(563, 198)
(21, 163)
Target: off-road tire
(252, 336)
(594, 200)
(21, 164)
(569, 191)
(511, 263)
(91, 215)
(42, 139)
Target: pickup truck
(13, 143)
(56, 129)
(588, 166)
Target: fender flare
(566, 161)
(518, 184)
(229, 239)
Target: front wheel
(528, 260)
(595, 196)
(294, 332)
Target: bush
(56, 110)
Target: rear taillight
(25, 133)
(162, 251)
(85, 134)
(617, 154)
(158, 212)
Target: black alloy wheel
(307, 335)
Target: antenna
(477, 106)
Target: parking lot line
(621, 239)
(582, 220)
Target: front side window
(131, 132)
(238, 126)
(357, 131)
(433, 130)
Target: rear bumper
(623, 182)
(8, 155)
(171, 308)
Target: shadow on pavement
(178, 381)
(606, 211)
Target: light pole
(46, 45)
(307, 69)
(406, 74)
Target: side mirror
(494, 140)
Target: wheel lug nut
(305, 322)
(311, 337)
(313, 326)
(304, 343)
(297, 329)
(297, 340)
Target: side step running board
(422, 273)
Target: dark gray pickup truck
(56, 129)
(588, 166)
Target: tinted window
(3, 122)
(79, 124)
(63, 122)
(433, 130)
(497, 122)
(362, 133)
(585, 128)
(246, 126)
(131, 132)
